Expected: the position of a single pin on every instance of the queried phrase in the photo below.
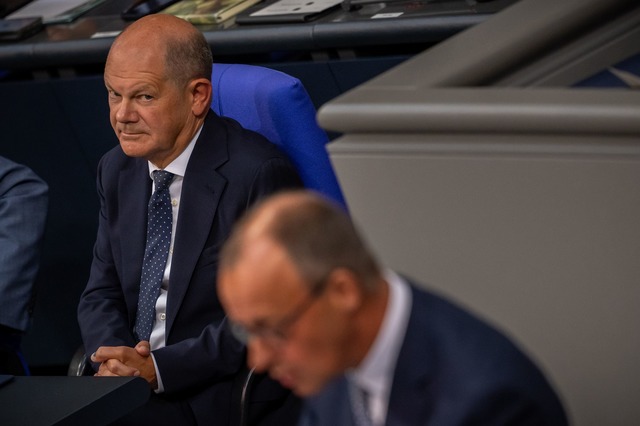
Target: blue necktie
(155, 254)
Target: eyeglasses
(277, 334)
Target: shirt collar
(179, 165)
(375, 372)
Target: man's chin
(285, 381)
(300, 389)
(132, 148)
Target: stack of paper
(55, 11)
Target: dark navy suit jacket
(229, 169)
(452, 369)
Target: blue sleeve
(23, 213)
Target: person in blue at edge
(157, 76)
(365, 346)
(23, 214)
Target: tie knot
(162, 179)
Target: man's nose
(126, 112)
(260, 356)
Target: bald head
(158, 78)
(298, 280)
(183, 47)
(317, 235)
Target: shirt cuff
(160, 388)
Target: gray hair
(188, 58)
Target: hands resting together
(126, 361)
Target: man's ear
(344, 290)
(201, 94)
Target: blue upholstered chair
(277, 106)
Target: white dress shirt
(178, 167)
(375, 374)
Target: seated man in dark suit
(23, 213)
(366, 346)
(169, 194)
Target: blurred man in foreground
(364, 345)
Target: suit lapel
(409, 403)
(201, 191)
(134, 191)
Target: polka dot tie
(155, 254)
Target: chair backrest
(277, 106)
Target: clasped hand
(126, 361)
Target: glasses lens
(239, 332)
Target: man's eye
(146, 97)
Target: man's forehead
(265, 267)
(128, 54)
(263, 279)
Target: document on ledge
(295, 7)
(208, 11)
(55, 11)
